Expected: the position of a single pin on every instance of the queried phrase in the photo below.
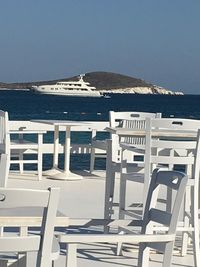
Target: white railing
(47, 148)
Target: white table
(55, 172)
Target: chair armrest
(110, 238)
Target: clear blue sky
(155, 40)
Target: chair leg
(3, 263)
(186, 221)
(167, 258)
(119, 249)
(143, 257)
(21, 166)
(40, 141)
(122, 200)
(71, 259)
(109, 186)
(92, 159)
(196, 249)
(195, 216)
(31, 259)
(122, 196)
(169, 200)
(109, 195)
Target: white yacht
(78, 88)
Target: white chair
(118, 119)
(168, 151)
(163, 242)
(16, 148)
(40, 248)
(133, 121)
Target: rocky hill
(105, 82)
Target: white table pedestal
(70, 176)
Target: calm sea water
(25, 105)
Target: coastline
(104, 82)
(14, 89)
(134, 91)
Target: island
(105, 82)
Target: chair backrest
(26, 198)
(176, 124)
(4, 133)
(170, 151)
(174, 180)
(128, 119)
(171, 145)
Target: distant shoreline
(106, 82)
(14, 89)
(109, 92)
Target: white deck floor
(85, 199)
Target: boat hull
(67, 94)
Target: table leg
(67, 149)
(66, 174)
(55, 168)
(56, 144)
(109, 186)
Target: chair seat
(7, 258)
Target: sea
(26, 105)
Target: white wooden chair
(164, 241)
(169, 152)
(118, 119)
(133, 121)
(16, 148)
(40, 248)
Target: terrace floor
(85, 199)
